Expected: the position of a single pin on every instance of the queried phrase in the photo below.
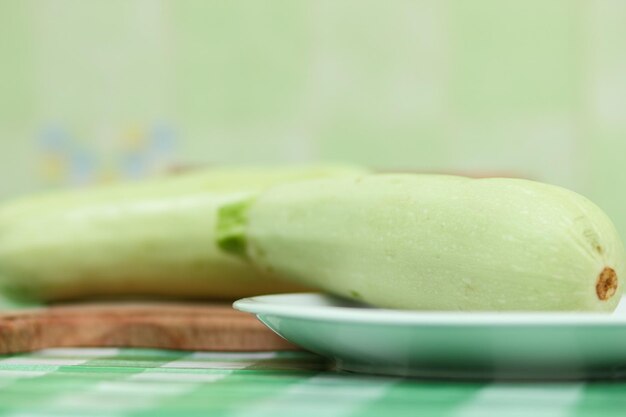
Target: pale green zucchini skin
(149, 238)
(432, 242)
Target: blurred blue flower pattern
(134, 153)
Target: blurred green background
(97, 90)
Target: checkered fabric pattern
(144, 382)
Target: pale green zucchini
(433, 242)
(149, 238)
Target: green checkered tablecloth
(143, 382)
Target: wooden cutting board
(183, 326)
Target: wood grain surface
(184, 326)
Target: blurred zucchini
(149, 238)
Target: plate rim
(264, 305)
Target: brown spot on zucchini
(606, 286)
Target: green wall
(95, 90)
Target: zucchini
(149, 238)
(432, 242)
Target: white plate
(448, 345)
